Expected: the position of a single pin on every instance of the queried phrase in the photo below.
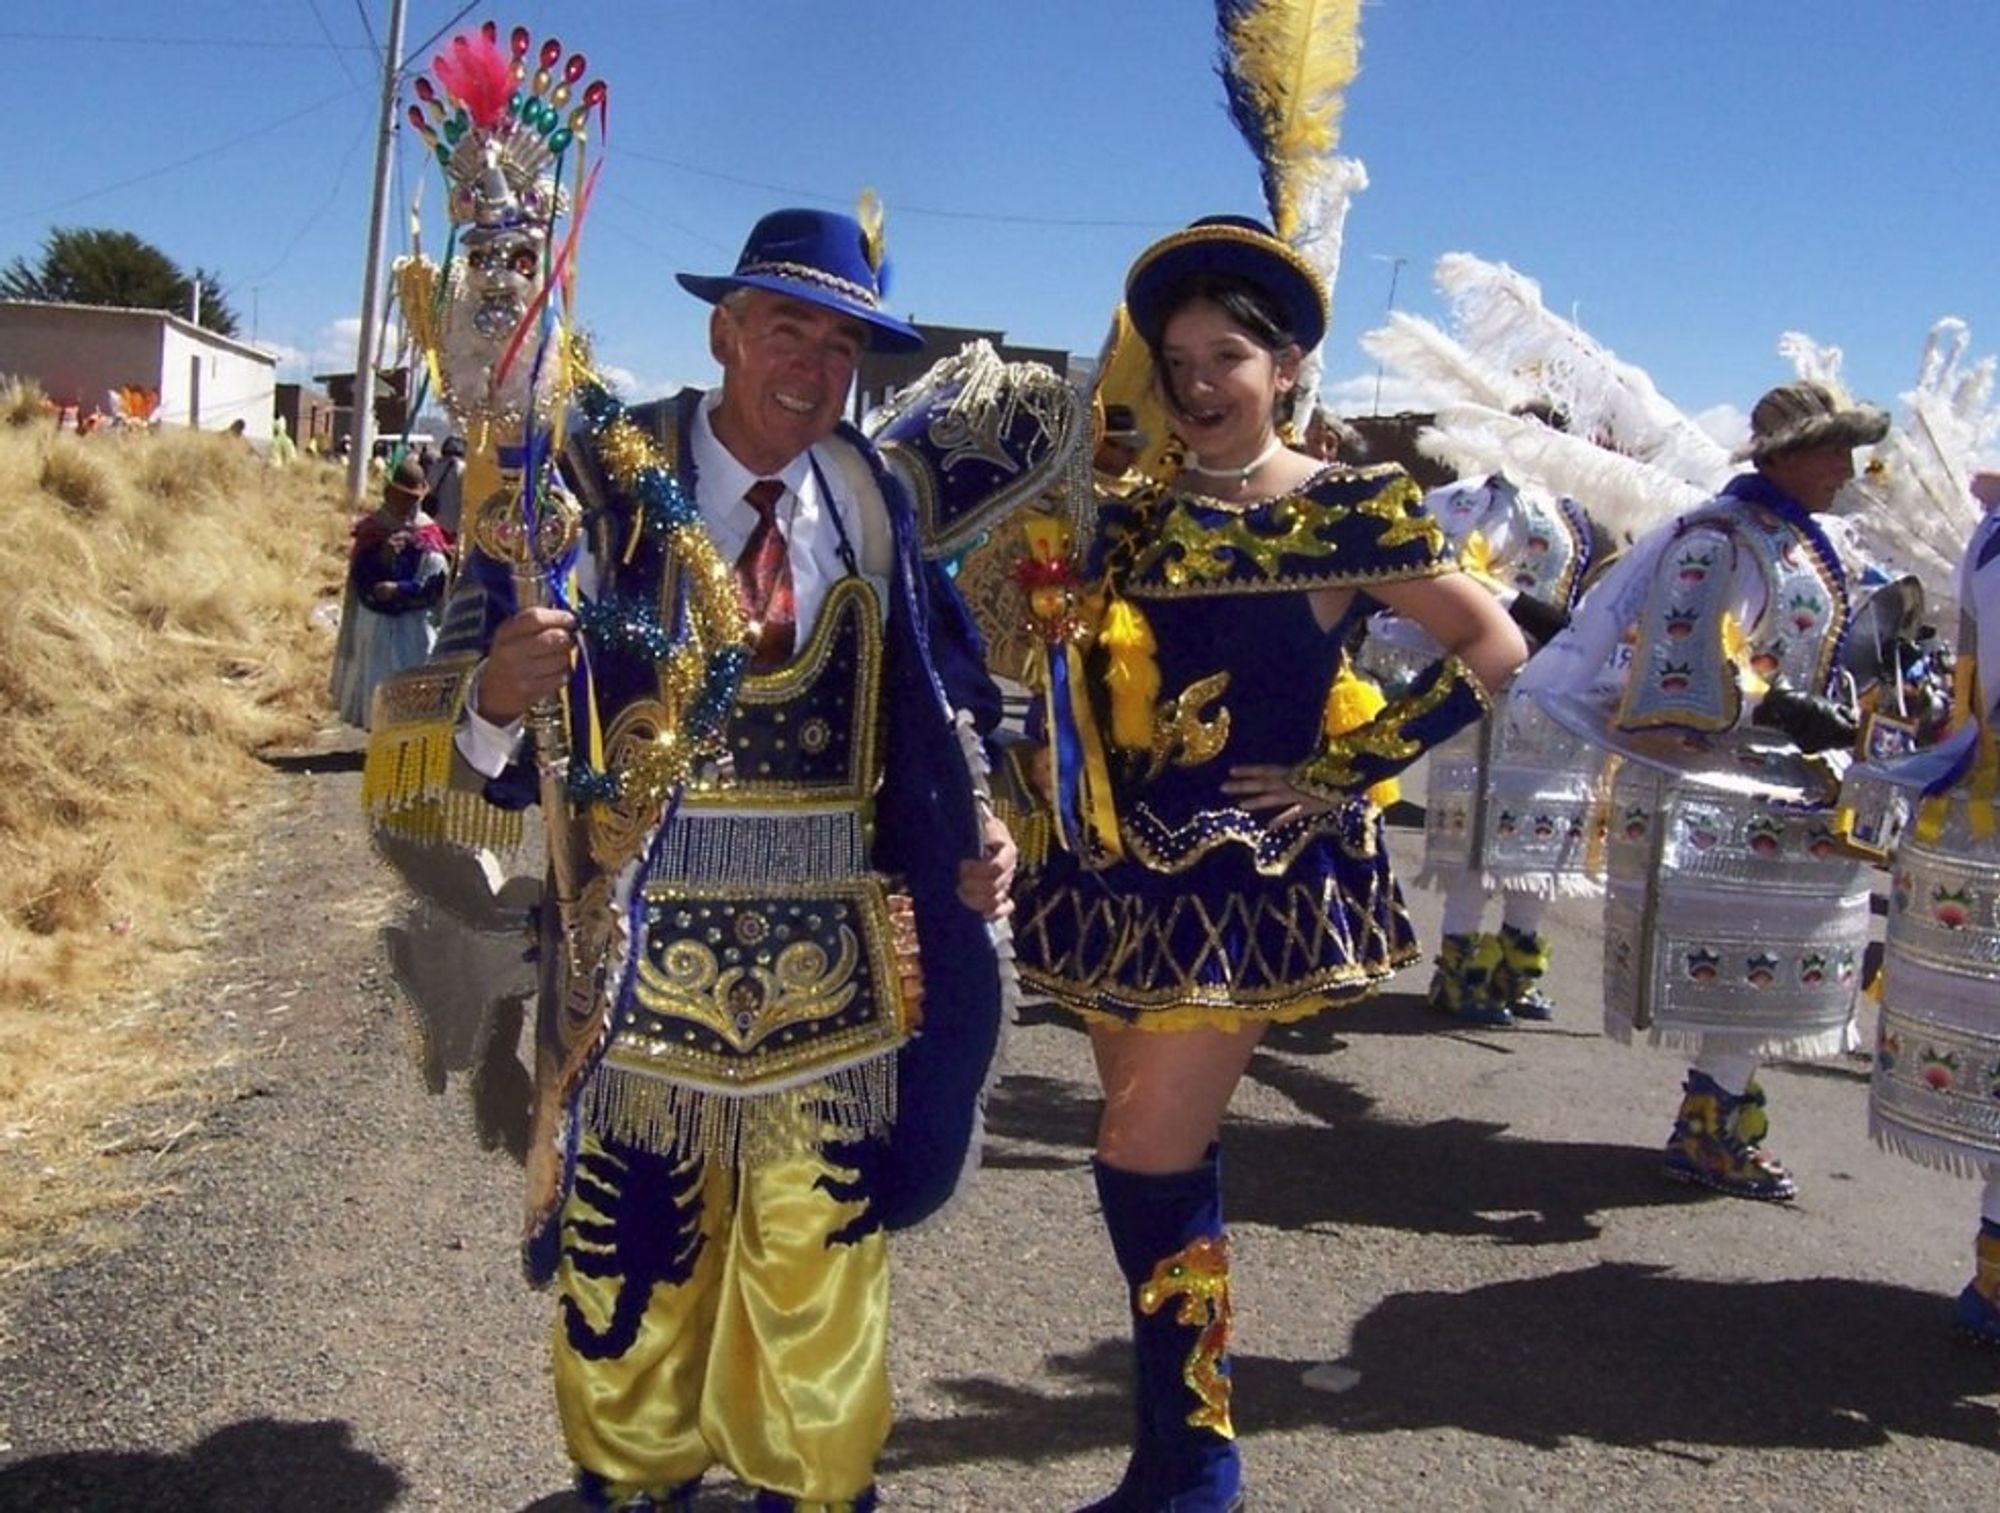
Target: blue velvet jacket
(926, 823)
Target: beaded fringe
(1815, 1045)
(1929, 1150)
(406, 777)
(735, 850)
(856, 1102)
(1550, 887)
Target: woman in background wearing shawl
(396, 574)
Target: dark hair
(1247, 304)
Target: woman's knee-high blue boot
(1167, 1234)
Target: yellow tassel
(1134, 677)
(406, 775)
(1736, 647)
(1352, 702)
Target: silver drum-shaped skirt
(1516, 801)
(1729, 919)
(1935, 1096)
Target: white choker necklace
(1193, 464)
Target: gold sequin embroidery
(1198, 1275)
(1181, 735)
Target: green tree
(95, 266)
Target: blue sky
(1689, 180)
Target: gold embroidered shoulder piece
(1346, 526)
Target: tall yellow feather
(1286, 68)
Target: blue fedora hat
(817, 256)
(1227, 244)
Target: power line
(332, 46)
(313, 219)
(655, 218)
(932, 212)
(368, 28)
(179, 41)
(178, 163)
(424, 46)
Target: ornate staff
(492, 324)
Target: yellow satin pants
(704, 1319)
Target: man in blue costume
(727, 1128)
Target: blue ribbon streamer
(1068, 751)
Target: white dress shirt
(805, 514)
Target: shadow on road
(314, 763)
(1620, 1355)
(1342, 1165)
(244, 1468)
(1634, 1355)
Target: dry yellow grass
(156, 593)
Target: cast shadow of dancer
(1624, 1356)
(246, 1467)
(1452, 1177)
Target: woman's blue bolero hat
(1229, 244)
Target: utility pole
(1395, 272)
(362, 428)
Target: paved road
(323, 1311)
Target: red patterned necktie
(764, 580)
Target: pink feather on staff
(475, 73)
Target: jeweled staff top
(505, 127)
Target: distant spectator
(396, 575)
(283, 451)
(1329, 438)
(447, 476)
(1121, 443)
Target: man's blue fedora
(816, 256)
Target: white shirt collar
(717, 472)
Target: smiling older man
(727, 1129)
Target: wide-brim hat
(1795, 416)
(408, 480)
(1227, 244)
(817, 256)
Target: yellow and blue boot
(1524, 962)
(1716, 1142)
(1166, 1231)
(1447, 990)
(1467, 981)
(1979, 1304)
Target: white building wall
(78, 357)
(79, 353)
(210, 386)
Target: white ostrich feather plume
(1812, 361)
(1911, 509)
(1626, 495)
(1498, 313)
(1324, 192)
(1424, 354)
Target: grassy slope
(156, 630)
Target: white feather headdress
(1912, 509)
(1630, 457)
